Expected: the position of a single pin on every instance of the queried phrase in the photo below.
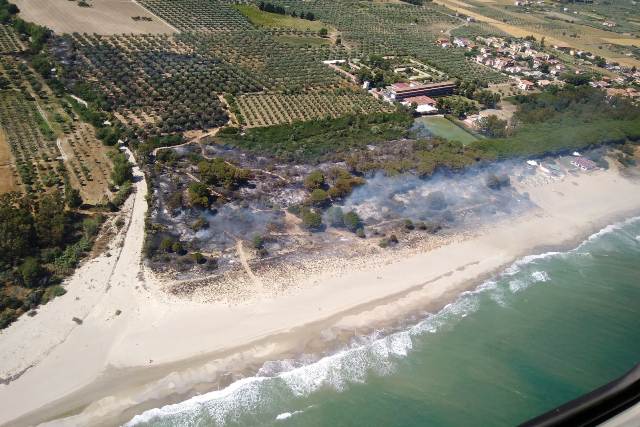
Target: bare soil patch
(8, 175)
(103, 17)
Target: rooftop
(400, 87)
(420, 100)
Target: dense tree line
(272, 8)
(317, 140)
(570, 118)
(416, 2)
(40, 241)
(456, 105)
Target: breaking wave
(277, 382)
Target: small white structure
(80, 101)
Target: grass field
(439, 126)
(274, 20)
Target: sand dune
(162, 350)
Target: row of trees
(269, 7)
(456, 105)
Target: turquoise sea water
(546, 330)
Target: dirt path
(198, 140)
(243, 260)
(64, 156)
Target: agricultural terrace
(9, 40)
(102, 16)
(397, 29)
(272, 109)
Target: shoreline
(132, 379)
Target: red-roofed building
(424, 104)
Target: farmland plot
(8, 173)
(272, 109)
(103, 17)
(196, 15)
(165, 84)
(42, 144)
(155, 81)
(9, 40)
(87, 161)
(32, 142)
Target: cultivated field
(164, 83)
(87, 162)
(103, 17)
(43, 144)
(267, 109)
(9, 40)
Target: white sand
(157, 350)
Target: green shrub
(352, 221)
(311, 220)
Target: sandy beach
(137, 348)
